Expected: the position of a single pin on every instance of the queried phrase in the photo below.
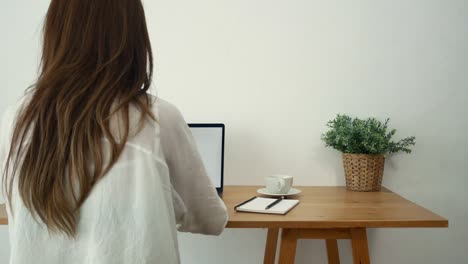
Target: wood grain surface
(3, 215)
(333, 207)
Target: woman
(95, 169)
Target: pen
(273, 203)
(235, 207)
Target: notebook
(258, 204)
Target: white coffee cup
(278, 184)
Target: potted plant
(364, 144)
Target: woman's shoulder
(167, 112)
(164, 106)
(11, 111)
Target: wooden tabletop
(334, 207)
(3, 215)
(327, 207)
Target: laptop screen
(210, 142)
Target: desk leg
(360, 247)
(270, 248)
(332, 251)
(288, 246)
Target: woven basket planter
(363, 172)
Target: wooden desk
(328, 213)
(3, 215)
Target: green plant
(360, 136)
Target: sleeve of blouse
(197, 206)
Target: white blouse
(158, 186)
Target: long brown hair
(96, 63)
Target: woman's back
(158, 184)
(95, 170)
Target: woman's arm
(197, 205)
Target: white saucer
(292, 191)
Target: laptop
(209, 138)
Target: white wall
(275, 71)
